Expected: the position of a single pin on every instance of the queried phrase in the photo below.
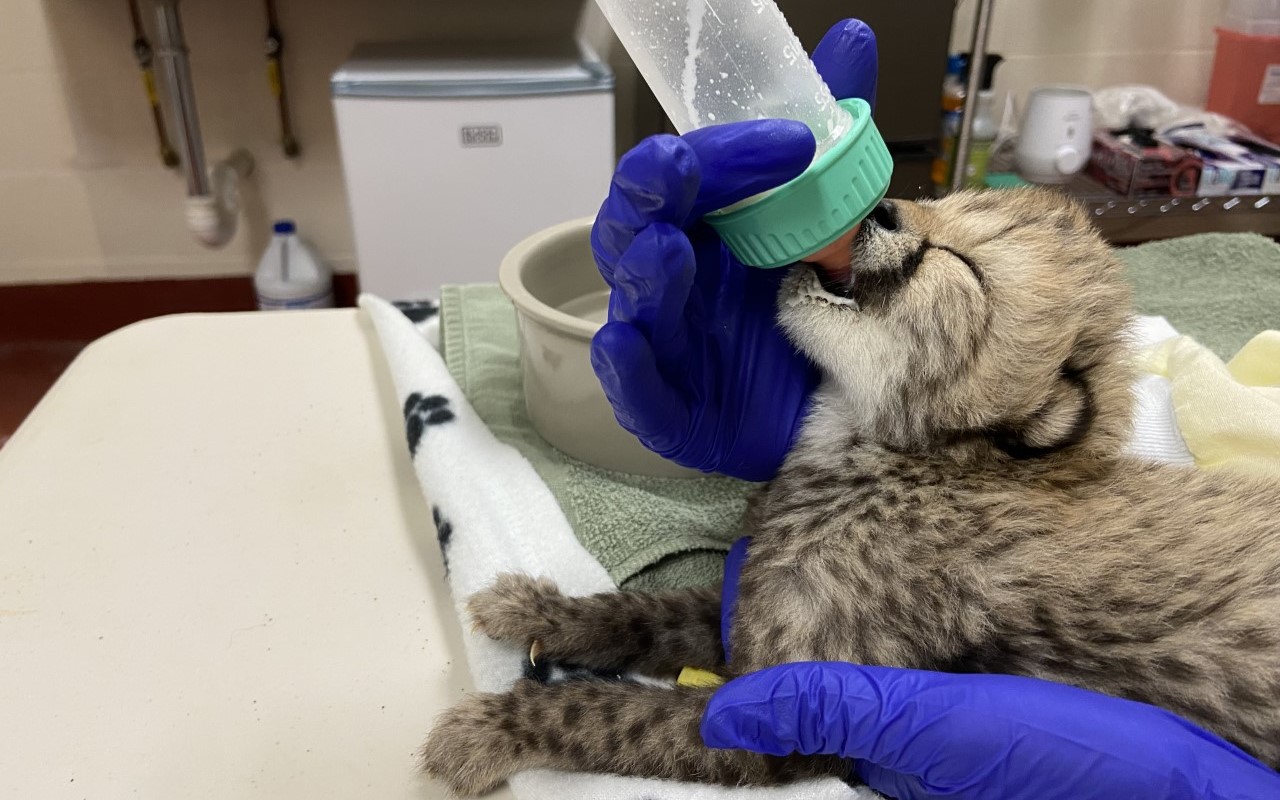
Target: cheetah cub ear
(1062, 420)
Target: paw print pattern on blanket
(444, 531)
(420, 412)
(417, 311)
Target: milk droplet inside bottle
(718, 61)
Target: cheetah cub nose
(885, 216)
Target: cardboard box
(1135, 166)
(1222, 176)
(1269, 154)
(1228, 167)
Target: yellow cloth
(1229, 414)
(699, 678)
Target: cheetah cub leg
(595, 726)
(655, 634)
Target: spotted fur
(957, 501)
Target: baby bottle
(715, 61)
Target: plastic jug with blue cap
(290, 275)
(715, 61)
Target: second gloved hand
(692, 360)
(918, 735)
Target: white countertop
(218, 577)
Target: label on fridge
(481, 136)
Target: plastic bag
(1139, 106)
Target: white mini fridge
(453, 155)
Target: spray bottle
(985, 128)
(715, 61)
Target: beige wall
(1163, 43)
(82, 194)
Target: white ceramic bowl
(561, 301)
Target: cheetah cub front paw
(517, 608)
(468, 750)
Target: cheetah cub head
(991, 320)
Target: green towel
(655, 533)
(649, 533)
(1219, 288)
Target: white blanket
(494, 514)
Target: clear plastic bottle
(985, 129)
(715, 61)
(711, 62)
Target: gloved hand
(916, 735)
(691, 358)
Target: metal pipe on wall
(213, 197)
(977, 61)
(175, 73)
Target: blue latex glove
(915, 735)
(691, 358)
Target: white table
(218, 577)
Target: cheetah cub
(957, 500)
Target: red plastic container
(1246, 81)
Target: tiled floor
(27, 370)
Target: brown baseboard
(85, 311)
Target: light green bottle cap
(819, 206)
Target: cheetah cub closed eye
(957, 501)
